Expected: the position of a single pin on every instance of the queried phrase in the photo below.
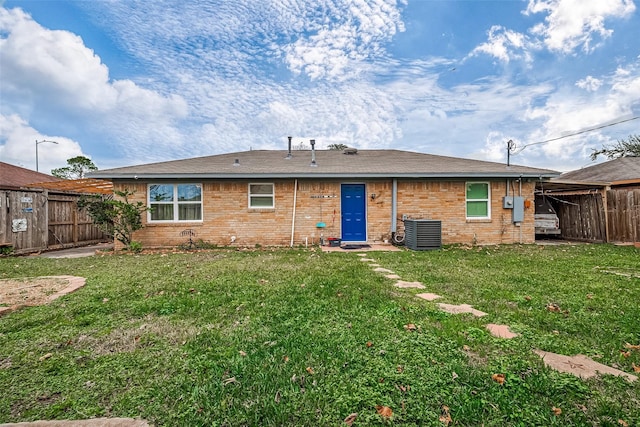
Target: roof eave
(342, 175)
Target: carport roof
(623, 170)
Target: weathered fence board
(582, 217)
(623, 210)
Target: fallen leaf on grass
(45, 357)
(105, 300)
(242, 353)
(632, 346)
(445, 416)
(556, 411)
(623, 423)
(625, 353)
(400, 369)
(384, 411)
(351, 418)
(277, 397)
(410, 327)
(286, 359)
(589, 296)
(310, 370)
(553, 307)
(636, 369)
(369, 343)
(499, 378)
(528, 298)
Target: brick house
(287, 198)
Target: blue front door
(354, 213)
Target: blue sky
(130, 82)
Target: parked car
(545, 218)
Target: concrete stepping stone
(361, 254)
(403, 284)
(459, 309)
(374, 265)
(501, 331)
(428, 296)
(383, 270)
(367, 260)
(580, 365)
(392, 276)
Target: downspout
(293, 218)
(394, 206)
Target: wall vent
(423, 234)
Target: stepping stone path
(403, 284)
(428, 296)
(501, 331)
(462, 308)
(578, 365)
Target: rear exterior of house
(295, 198)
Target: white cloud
(53, 71)
(18, 145)
(568, 111)
(335, 49)
(589, 83)
(506, 45)
(573, 24)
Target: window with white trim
(261, 196)
(478, 200)
(175, 202)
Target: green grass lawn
(303, 338)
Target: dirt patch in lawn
(16, 293)
(142, 333)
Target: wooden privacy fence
(623, 211)
(582, 217)
(35, 220)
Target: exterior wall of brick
(226, 213)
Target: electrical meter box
(507, 202)
(518, 209)
(517, 204)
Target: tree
(336, 146)
(622, 148)
(116, 217)
(77, 168)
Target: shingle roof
(620, 169)
(15, 176)
(330, 164)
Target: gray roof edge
(454, 175)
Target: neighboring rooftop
(15, 177)
(329, 164)
(618, 171)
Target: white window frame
(175, 202)
(272, 195)
(487, 200)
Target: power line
(511, 147)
